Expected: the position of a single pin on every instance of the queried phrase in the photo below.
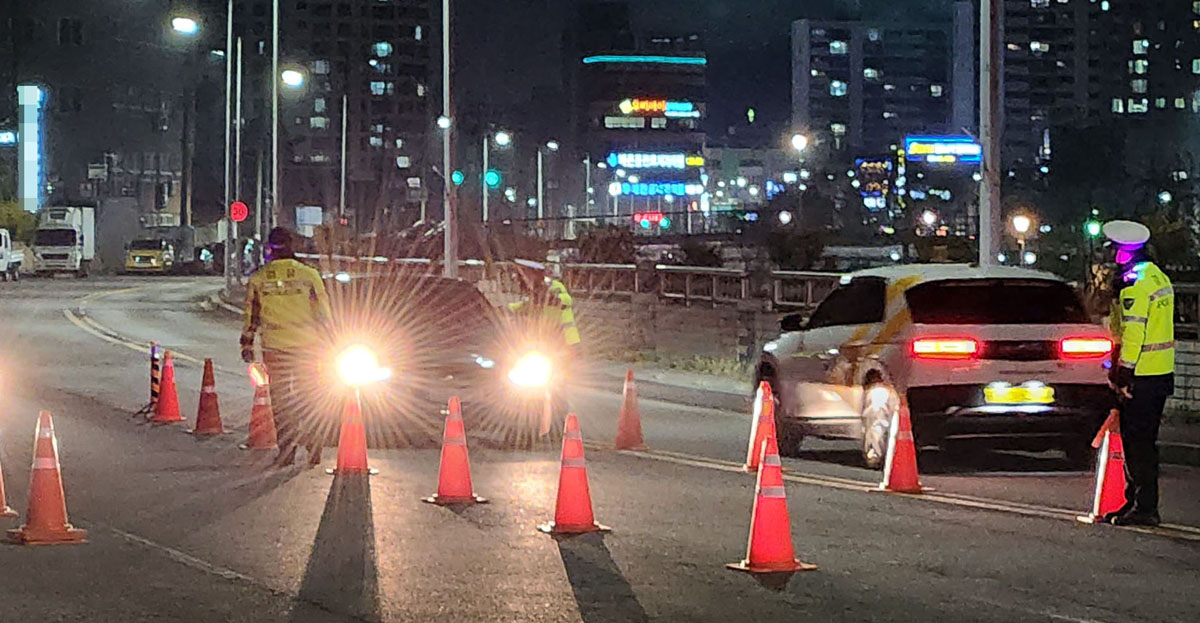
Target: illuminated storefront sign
(648, 59)
(874, 176)
(943, 149)
(666, 108)
(643, 160)
(29, 170)
(661, 189)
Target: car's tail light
(945, 348)
(1084, 347)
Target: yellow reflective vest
(559, 310)
(1147, 322)
(286, 303)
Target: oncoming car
(1000, 356)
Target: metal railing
(602, 279)
(1187, 310)
(712, 285)
(802, 290)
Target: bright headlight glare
(358, 365)
(532, 370)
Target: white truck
(10, 258)
(65, 241)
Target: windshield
(995, 301)
(54, 238)
(146, 245)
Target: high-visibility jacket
(286, 303)
(559, 311)
(1147, 322)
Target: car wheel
(876, 422)
(1080, 454)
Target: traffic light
(238, 211)
(457, 178)
(1092, 228)
(492, 178)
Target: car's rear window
(995, 301)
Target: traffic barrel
(454, 470)
(573, 507)
(1109, 496)
(208, 413)
(770, 549)
(629, 421)
(46, 520)
(900, 466)
(762, 424)
(166, 410)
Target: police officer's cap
(530, 264)
(1126, 233)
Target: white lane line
(190, 561)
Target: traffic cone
(5, 509)
(1110, 478)
(166, 410)
(900, 466)
(208, 414)
(762, 424)
(573, 509)
(262, 422)
(46, 519)
(454, 474)
(352, 442)
(629, 423)
(770, 548)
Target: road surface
(187, 530)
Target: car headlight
(358, 366)
(484, 362)
(531, 370)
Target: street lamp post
(450, 233)
(541, 181)
(502, 139)
(1021, 224)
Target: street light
(185, 25)
(552, 145)
(1022, 223)
(503, 138)
(292, 78)
(443, 122)
(1164, 197)
(799, 142)
(929, 217)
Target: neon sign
(29, 171)
(666, 108)
(943, 149)
(661, 189)
(644, 160)
(647, 59)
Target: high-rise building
(1150, 68)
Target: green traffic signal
(457, 178)
(492, 178)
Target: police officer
(287, 306)
(550, 294)
(1144, 373)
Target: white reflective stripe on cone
(46, 432)
(771, 492)
(208, 389)
(573, 462)
(772, 460)
(262, 401)
(455, 441)
(43, 463)
(905, 435)
(573, 434)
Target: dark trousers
(1140, 418)
(284, 369)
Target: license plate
(1018, 395)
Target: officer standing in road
(1144, 373)
(550, 294)
(287, 305)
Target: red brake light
(945, 348)
(1084, 347)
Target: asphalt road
(187, 530)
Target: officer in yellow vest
(551, 295)
(1144, 371)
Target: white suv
(1004, 356)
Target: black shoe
(314, 455)
(1137, 518)
(1110, 517)
(286, 458)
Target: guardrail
(801, 290)
(713, 285)
(602, 279)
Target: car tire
(1080, 454)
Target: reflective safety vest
(286, 302)
(559, 311)
(1147, 321)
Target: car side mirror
(792, 322)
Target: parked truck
(65, 240)
(11, 258)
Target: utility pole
(229, 238)
(450, 231)
(276, 202)
(486, 137)
(342, 186)
(991, 127)
(587, 185)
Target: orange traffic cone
(166, 410)
(573, 509)
(5, 509)
(900, 465)
(262, 422)
(1110, 476)
(454, 474)
(629, 423)
(352, 442)
(761, 426)
(208, 414)
(46, 519)
(770, 549)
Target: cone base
(883, 488)
(370, 471)
(7, 511)
(247, 446)
(68, 535)
(641, 447)
(162, 422)
(446, 500)
(552, 528)
(206, 433)
(745, 567)
(1090, 519)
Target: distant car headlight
(359, 366)
(342, 277)
(484, 362)
(531, 370)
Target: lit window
(889, 87)
(421, 90)
(873, 33)
(417, 33)
(625, 123)
(1118, 105)
(1160, 103)
(403, 162)
(382, 88)
(319, 123)
(1139, 106)
(871, 73)
(838, 129)
(1180, 103)
(887, 114)
(1138, 86)
(399, 143)
(1141, 46)
(1196, 65)
(319, 104)
(936, 90)
(838, 47)
(377, 128)
(814, 73)
(1139, 66)
(320, 67)
(376, 141)
(1013, 47)
(382, 49)
(837, 88)
(1104, 6)
(658, 123)
(1196, 102)
(1039, 4)
(1039, 47)
(318, 157)
(1196, 8)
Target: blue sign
(943, 149)
(660, 189)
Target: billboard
(641, 160)
(874, 176)
(943, 149)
